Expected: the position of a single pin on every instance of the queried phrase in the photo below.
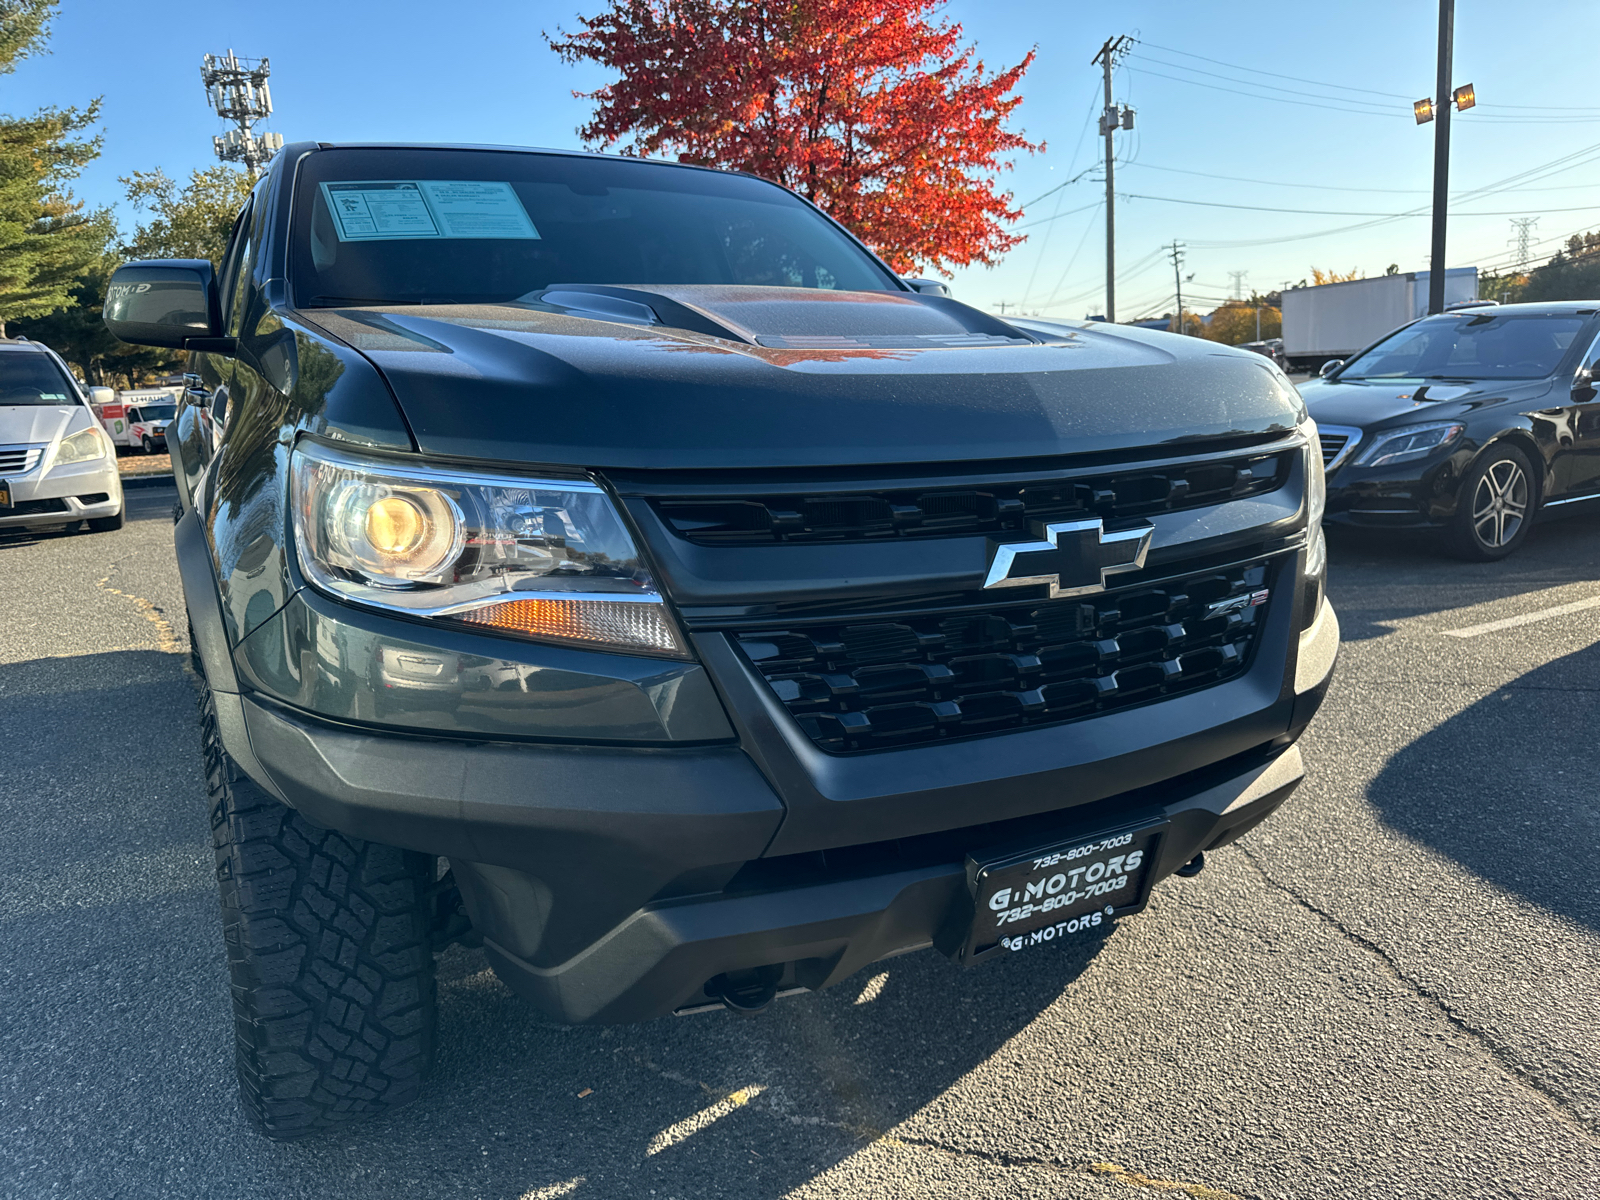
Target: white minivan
(57, 464)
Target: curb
(147, 481)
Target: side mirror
(167, 302)
(928, 287)
(1584, 380)
(1329, 367)
(102, 395)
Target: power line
(1276, 75)
(1323, 106)
(1345, 87)
(1333, 212)
(1044, 243)
(1326, 187)
(1273, 86)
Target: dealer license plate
(5, 495)
(1061, 891)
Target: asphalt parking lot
(1387, 990)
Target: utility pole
(1238, 283)
(1111, 118)
(1176, 255)
(237, 89)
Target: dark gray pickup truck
(615, 564)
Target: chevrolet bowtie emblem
(1073, 557)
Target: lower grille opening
(34, 508)
(919, 678)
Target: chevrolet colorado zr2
(615, 563)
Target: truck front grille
(945, 512)
(930, 677)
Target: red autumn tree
(871, 109)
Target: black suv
(616, 563)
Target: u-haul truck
(138, 417)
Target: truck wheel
(1495, 507)
(149, 447)
(329, 955)
(105, 524)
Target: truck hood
(719, 377)
(34, 424)
(1364, 404)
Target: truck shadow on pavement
(119, 1035)
(1507, 787)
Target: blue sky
(480, 72)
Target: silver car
(57, 465)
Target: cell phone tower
(237, 89)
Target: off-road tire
(104, 524)
(329, 957)
(1461, 539)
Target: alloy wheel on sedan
(1500, 504)
(1496, 505)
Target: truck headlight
(546, 559)
(1395, 446)
(84, 446)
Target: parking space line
(1543, 614)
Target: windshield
(157, 412)
(1470, 345)
(33, 378)
(404, 226)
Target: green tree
(47, 239)
(1573, 273)
(78, 334)
(1235, 322)
(191, 222)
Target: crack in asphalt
(166, 638)
(769, 1100)
(1503, 1059)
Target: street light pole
(1441, 155)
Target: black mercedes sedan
(1470, 422)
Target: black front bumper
(1410, 496)
(618, 884)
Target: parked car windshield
(1470, 345)
(33, 378)
(421, 226)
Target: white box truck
(1334, 320)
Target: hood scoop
(788, 318)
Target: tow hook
(747, 992)
(1193, 867)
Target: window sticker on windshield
(401, 209)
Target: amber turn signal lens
(626, 624)
(396, 526)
